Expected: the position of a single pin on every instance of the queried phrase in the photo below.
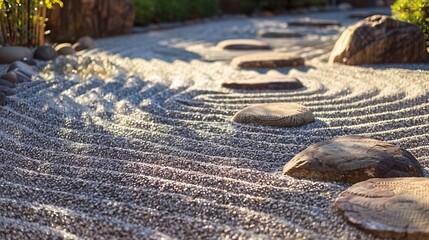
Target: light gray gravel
(126, 141)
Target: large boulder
(96, 18)
(380, 39)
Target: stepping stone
(264, 83)
(243, 44)
(10, 54)
(388, 207)
(275, 114)
(268, 60)
(278, 34)
(45, 53)
(312, 22)
(353, 159)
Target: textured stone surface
(313, 22)
(391, 208)
(96, 18)
(268, 60)
(243, 44)
(45, 53)
(353, 159)
(10, 54)
(279, 34)
(275, 114)
(380, 39)
(264, 82)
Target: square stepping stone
(265, 82)
(268, 60)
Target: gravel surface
(134, 140)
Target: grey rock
(7, 91)
(353, 159)
(6, 83)
(10, 54)
(45, 53)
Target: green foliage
(413, 11)
(148, 11)
(250, 6)
(23, 21)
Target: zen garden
(214, 119)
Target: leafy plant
(150, 11)
(23, 21)
(413, 11)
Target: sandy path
(136, 148)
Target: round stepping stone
(389, 207)
(45, 53)
(353, 159)
(268, 60)
(11, 54)
(264, 83)
(65, 49)
(278, 34)
(313, 22)
(275, 114)
(243, 44)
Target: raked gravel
(126, 141)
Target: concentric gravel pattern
(112, 147)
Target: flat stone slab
(268, 60)
(388, 207)
(279, 34)
(275, 114)
(314, 22)
(265, 82)
(353, 159)
(243, 44)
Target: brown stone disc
(353, 159)
(313, 22)
(275, 114)
(268, 60)
(243, 44)
(389, 207)
(265, 82)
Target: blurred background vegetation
(155, 11)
